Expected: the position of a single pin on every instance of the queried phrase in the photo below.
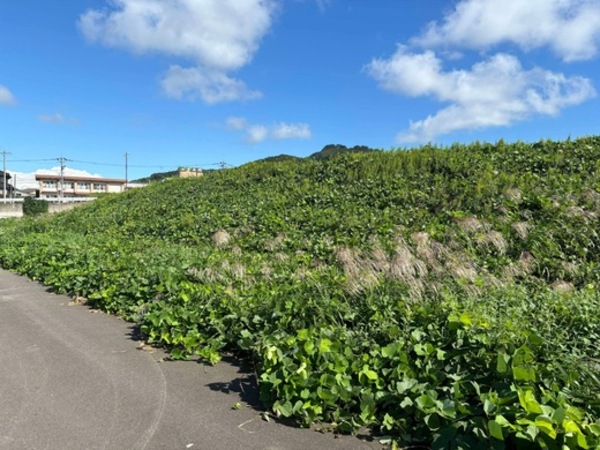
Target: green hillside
(279, 158)
(334, 150)
(329, 151)
(444, 297)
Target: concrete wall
(11, 210)
(15, 209)
(60, 207)
(113, 188)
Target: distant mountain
(158, 176)
(332, 150)
(327, 152)
(279, 158)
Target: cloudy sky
(198, 82)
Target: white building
(55, 186)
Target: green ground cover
(446, 298)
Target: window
(83, 186)
(99, 187)
(68, 185)
(49, 184)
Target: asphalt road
(73, 378)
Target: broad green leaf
(488, 407)
(570, 426)
(532, 431)
(425, 402)
(575, 413)
(447, 408)
(406, 402)
(309, 347)
(582, 441)
(529, 403)
(388, 422)
(303, 334)
(370, 374)
(522, 373)
(534, 339)
(495, 430)
(405, 385)
(502, 363)
(286, 409)
(545, 425)
(501, 420)
(297, 406)
(465, 319)
(389, 350)
(595, 429)
(325, 345)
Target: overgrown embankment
(446, 297)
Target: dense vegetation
(445, 297)
(33, 207)
(158, 176)
(329, 151)
(333, 150)
(279, 158)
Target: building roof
(41, 176)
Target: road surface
(74, 378)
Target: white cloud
(323, 4)
(256, 133)
(495, 92)
(6, 97)
(236, 123)
(218, 36)
(291, 131)
(57, 118)
(212, 87)
(571, 28)
(23, 180)
(67, 171)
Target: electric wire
(221, 164)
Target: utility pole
(62, 161)
(4, 153)
(126, 169)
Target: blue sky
(196, 82)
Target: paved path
(72, 379)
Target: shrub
(34, 207)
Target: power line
(30, 160)
(126, 169)
(95, 163)
(4, 153)
(221, 164)
(62, 160)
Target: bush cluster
(34, 207)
